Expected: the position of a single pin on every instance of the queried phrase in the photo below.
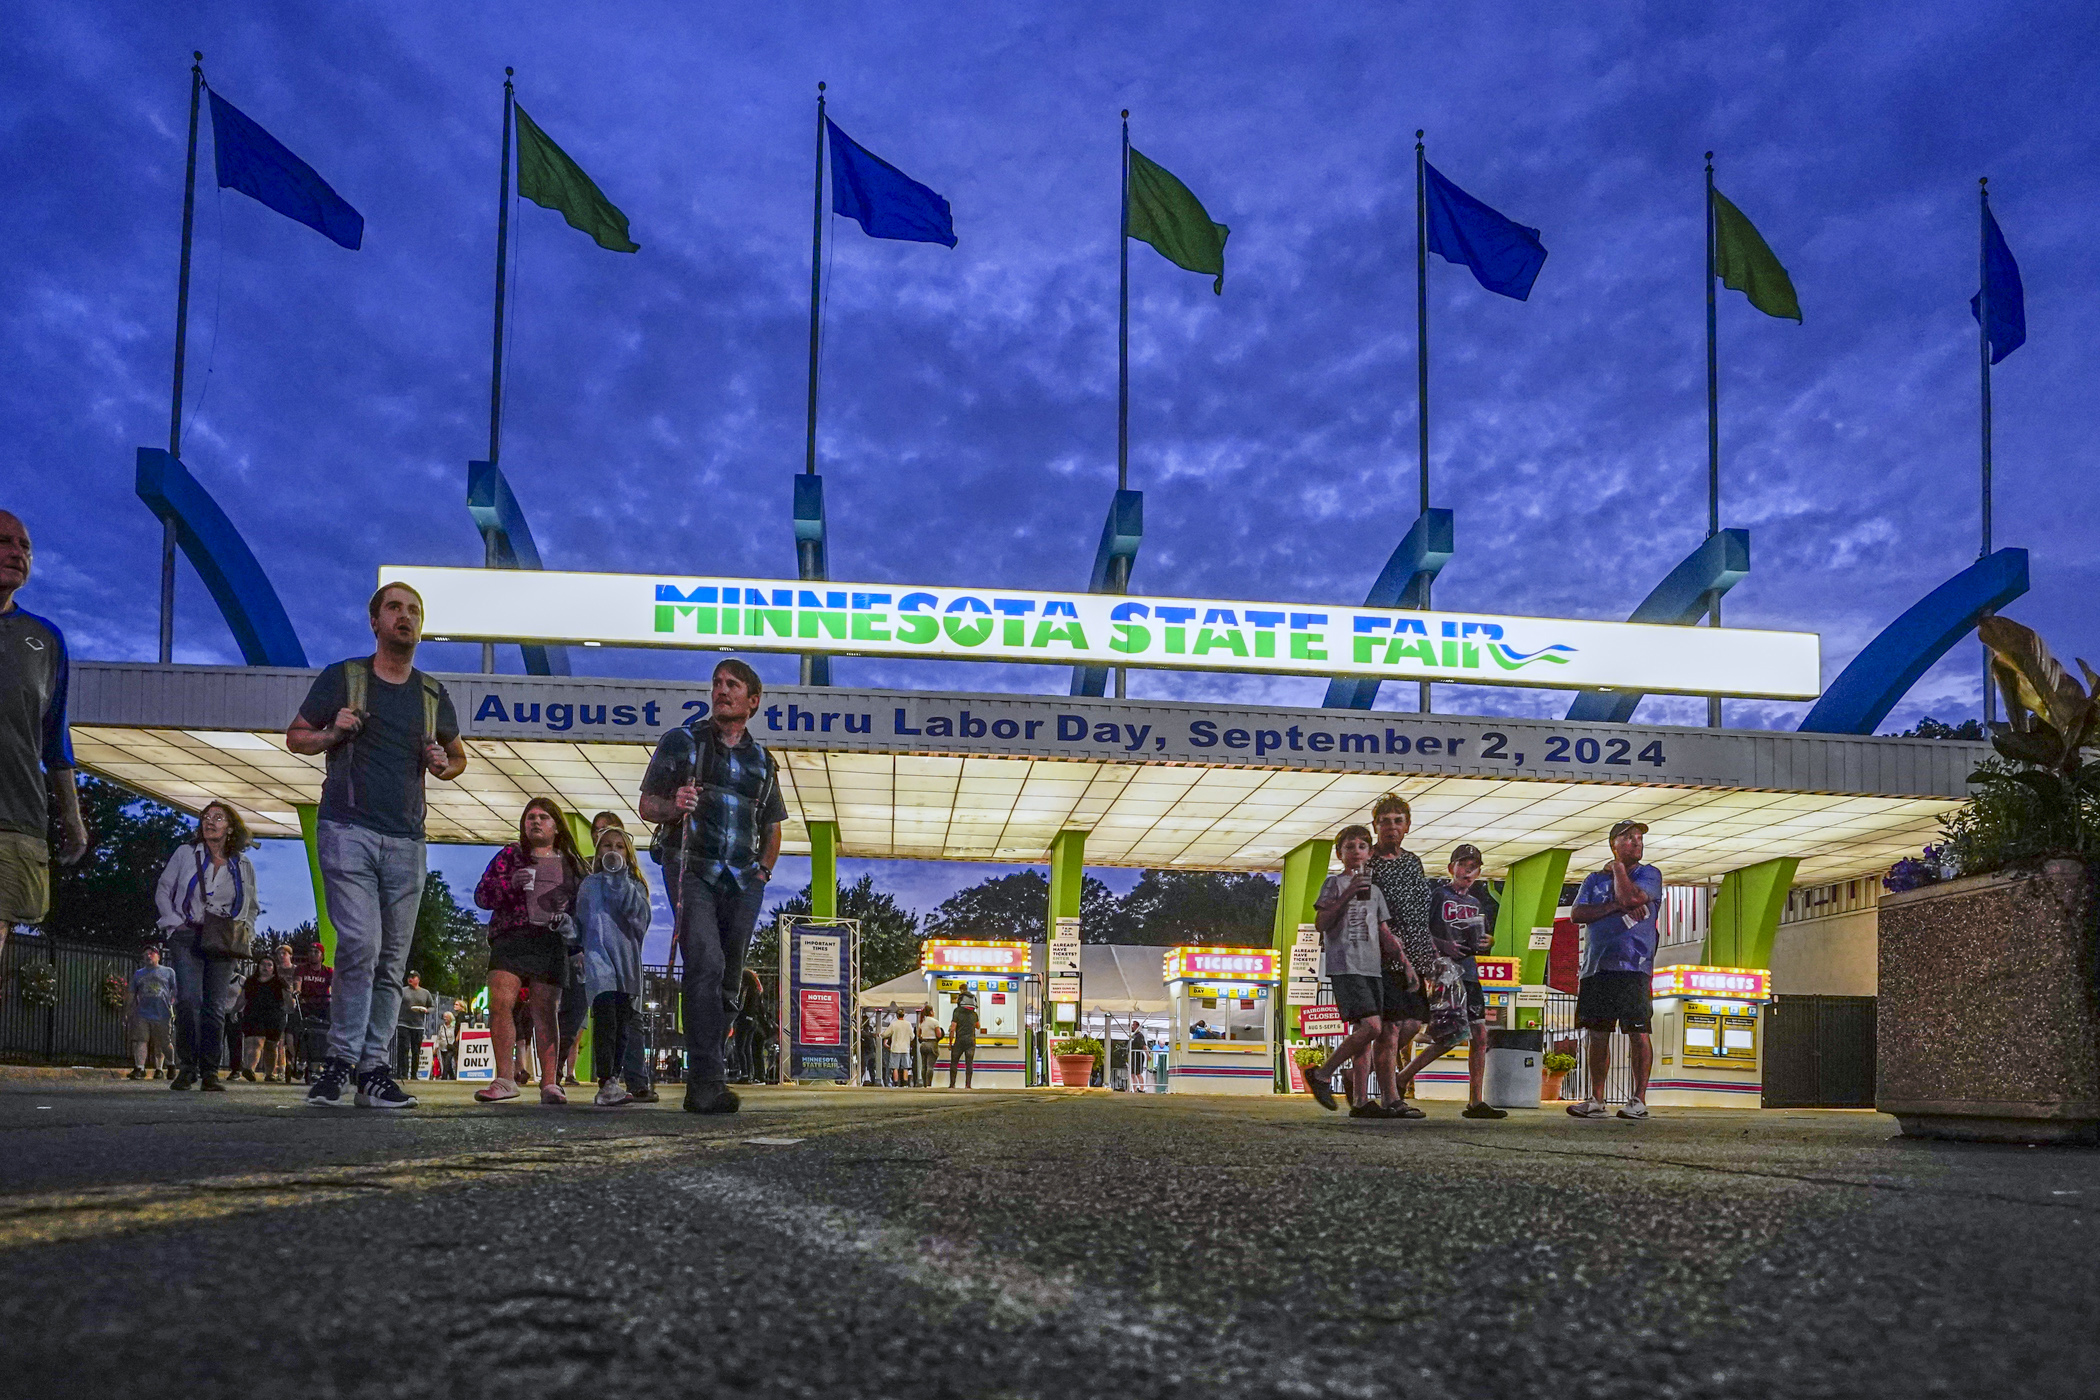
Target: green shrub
(1558, 1063)
(1079, 1045)
(1308, 1056)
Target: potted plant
(1989, 1019)
(1075, 1060)
(1555, 1067)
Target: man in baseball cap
(1618, 905)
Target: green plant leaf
(2047, 786)
(2041, 745)
(2034, 681)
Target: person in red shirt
(315, 981)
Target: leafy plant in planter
(1308, 1056)
(1557, 1063)
(2039, 798)
(38, 984)
(1079, 1045)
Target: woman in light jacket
(612, 911)
(210, 875)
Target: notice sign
(1322, 1020)
(1542, 940)
(1064, 947)
(477, 1053)
(1064, 988)
(820, 1018)
(820, 959)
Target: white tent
(1116, 978)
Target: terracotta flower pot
(1075, 1070)
(1549, 1084)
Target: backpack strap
(357, 682)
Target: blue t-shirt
(1617, 944)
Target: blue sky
(655, 402)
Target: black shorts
(1613, 1001)
(1476, 1001)
(532, 955)
(1402, 1002)
(1357, 997)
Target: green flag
(1164, 214)
(548, 178)
(1745, 264)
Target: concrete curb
(60, 1072)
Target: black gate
(1819, 1053)
(81, 1027)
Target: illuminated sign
(1058, 628)
(944, 956)
(1228, 964)
(1734, 983)
(1500, 972)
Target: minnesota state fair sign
(1195, 634)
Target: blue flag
(2001, 278)
(1504, 255)
(887, 202)
(256, 163)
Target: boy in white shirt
(1355, 934)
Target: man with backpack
(383, 725)
(721, 789)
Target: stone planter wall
(1989, 1017)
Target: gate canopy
(927, 775)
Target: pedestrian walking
(384, 726)
(930, 1037)
(1462, 915)
(1355, 928)
(314, 981)
(1399, 876)
(713, 779)
(36, 748)
(612, 914)
(150, 1005)
(962, 1042)
(206, 900)
(530, 890)
(1618, 905)
(264, 999)
(636, 1068)
(416, 1003)
(902, 1036)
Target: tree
(107, 897)
(1930, 728)
(1017, 907)
(1169, 907)
(889, 933)
(451, 946)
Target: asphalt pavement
(921, 1244)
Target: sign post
(1062, 969)
(820, 1016)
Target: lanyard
(203, 864)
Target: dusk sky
(655, 401)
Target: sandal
(552, 1094)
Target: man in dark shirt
(1462, 915)
(36, 755)
(962, 1043)
(383, 725)
(716, 779)
(313, 980)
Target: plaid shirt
(739, 798)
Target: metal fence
(80, 1028)
(1561, 1035)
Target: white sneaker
(611, 1094)
(1588, 1108)
(1634, 1109)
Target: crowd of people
(566, 929)
(1400, 950)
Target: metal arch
(1886, 668)
(1717, 565)
(1114, 558)
(222, 559)
(508, 539)
(1403, 583)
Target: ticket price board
(1222, 1036)
(992, 977)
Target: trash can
(1515, 1062)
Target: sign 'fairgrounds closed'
(1197, 634)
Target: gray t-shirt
(415, 1007)
(33, 739)
(1351, 946)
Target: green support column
(824, 869)
(309, 818)
(1746, 913)
(1067, 878)
(1529, 897)
(580, 833)
(1304, 871)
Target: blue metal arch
(1716, 566)
(508, 538)
(1114, 558)
(222, 559)
(1886, 668)
(1402, 583)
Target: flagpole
(1983, 359)
(1713, 425)
(488, 548)
(816, 286)
(182, 335)
(1123, 352)
(1422, 361)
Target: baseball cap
(1468, 851)
(1623, 827)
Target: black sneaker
(209, 1082)
(187, 1079)
(1482, 1110)
(136, 1074)
(643, 1095)
(710, 1098)
(327, 1091)
(376, 1089)
(1322, 1091)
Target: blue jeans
(714, 928)
(204, 993)
(374, 885)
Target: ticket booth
(1509, 1007)
(1221, 1034)
(1709, 1036)
(997, 975)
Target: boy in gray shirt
(1354, 929)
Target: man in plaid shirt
(721, 786)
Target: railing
(80, 1028)
(1562, 1035)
